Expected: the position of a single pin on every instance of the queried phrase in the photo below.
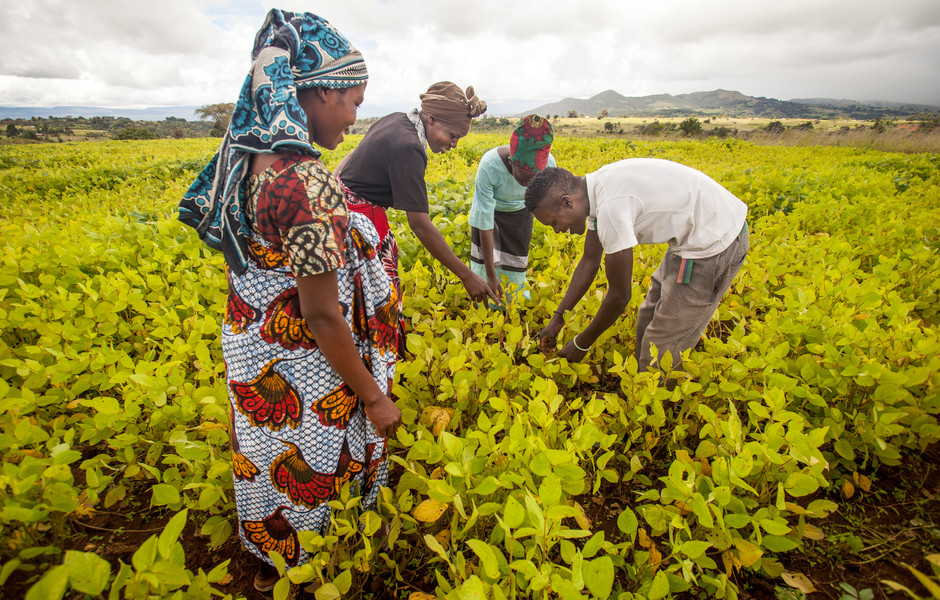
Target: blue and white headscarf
(292, 51)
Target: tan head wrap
(451, 106)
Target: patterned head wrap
(292, 51)
(531, 142)
(452, 106)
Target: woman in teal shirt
(500, 225)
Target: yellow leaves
(748, 553)
(421, 596)
(644, 540)
(656, 556)
(86, 507)
(848, 490)
(437, 418)
(443, 538)
(429, 511)
(583, 521)
(799, 581)
(862, 481)
(812, 532)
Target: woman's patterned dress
(299, 433)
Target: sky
(516, 54)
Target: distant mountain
(157, 113)
(728, 103)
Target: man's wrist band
(574, 341)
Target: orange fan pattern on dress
(337, 408)
(285, 325)
(274, 533)
(269, 400)
(291, 475)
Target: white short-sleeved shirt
(495, 189)
(654, 201)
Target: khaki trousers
(674, 315)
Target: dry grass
(891, 140)
(898, 137)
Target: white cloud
(194, 52)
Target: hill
(728, 103)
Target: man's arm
(619, 268)
(431, 238)
(581, 280)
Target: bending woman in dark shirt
(386, 170)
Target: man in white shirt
(644, 201)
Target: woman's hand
(477, 289)
(495, 286)
(383, 414)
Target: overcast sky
(517, 54)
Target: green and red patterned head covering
(531, 142)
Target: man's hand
(383, 414)
(548, 337)
(572, 353)
(478, 290)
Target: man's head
(558, 199)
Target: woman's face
(441, 138)
(521, 174)
(330, 112)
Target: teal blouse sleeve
(484, 192)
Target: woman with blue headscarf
(310, 327)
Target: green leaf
(776, 543)
(486, 487)
(145, 555)
(8, 569)
(52, 585)
(514, 513)
(327, 591)
(165, 494)
(343, 582)
(534, 512)
(660, 587)
(800, 484)
(700, 508)
(844, 449)
(487, 557)
(774, 527)
(599, 576)
(693, 548)
(628, 523)
(171, 533)
(88, 572)
(282, 589)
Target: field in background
(800, 453)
